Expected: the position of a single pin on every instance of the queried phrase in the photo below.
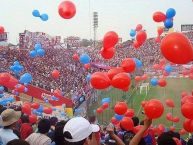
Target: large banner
(39, 93)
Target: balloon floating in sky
(85, 59)
(176, 48)
(159, 17)
(110, 40)
(36, 13)
(26, 78)
(67, 9)
(43, 17)
(38, 51)
(170, 13)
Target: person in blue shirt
(9, 120)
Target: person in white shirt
(9, 119)
(41, 137)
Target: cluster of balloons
(105, 104)
(109, 41)
(2, 30)
(16, 67)
(123, 116)
(166, 18)
(141, 36)
(43, 17)
(67, 9)
(38, 51)
(141, 78)
(177, 48)
(154, 82)
(19, 89)
(7, 100)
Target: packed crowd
(74, 74)
(16, 129)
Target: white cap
(79, 128)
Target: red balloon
(160, 30)
(121, 81)
(107, 53)
(183, 94)
(138, 27)
(127, 124)
(26, 109)
(191, 69)
(159, 17)
(158, 39)
(162, 83)
(144, 77)
(188, 125)
(114, 71)
(143, 103)
(47, 110)
(172, 128)
(169, 117)
(170, 103)
(138, 78)
(176, 119)
(186, 110)
(185, 72)
(110, 40)
(192, 92)
(105, 105)
(67, 9)
(156, 66)
(35, 105)
(55, 74)
(187, 99)
(114, 121)
(161, 127)
(136, 44)
(2, 30)
(100, 80)
(182, 131)
(75, 57)
(20, 88)
(154, 109)
(177, 48)
(162, 61)
(120, 108)
(165, 73)
(99, 110)
(4, 77)
(130, 113)
(128, 64)
(32, 119)
(141, 37)
(87, 66)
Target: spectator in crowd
(78, 131)
(41, 137)
(17, 142)
(9, 119)
(53, 121)
(26, 128)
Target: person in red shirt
(26, 128)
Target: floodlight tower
(95, 25)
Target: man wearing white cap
(78, 131)
(9, 119)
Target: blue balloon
(41, 52)
(170, 13)
(34, 112)
(37, 46)
(36, 13)
(132, 33)
(44, 17)
(84, 59)
(26, 78)
(105, 100)
(118, 117)
(1, 88)
(32, 54)
(168, 23)
(40, 109)
(154, 82)
(138, 63)
(168, 68)
(88, 77)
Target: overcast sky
(115, 15)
